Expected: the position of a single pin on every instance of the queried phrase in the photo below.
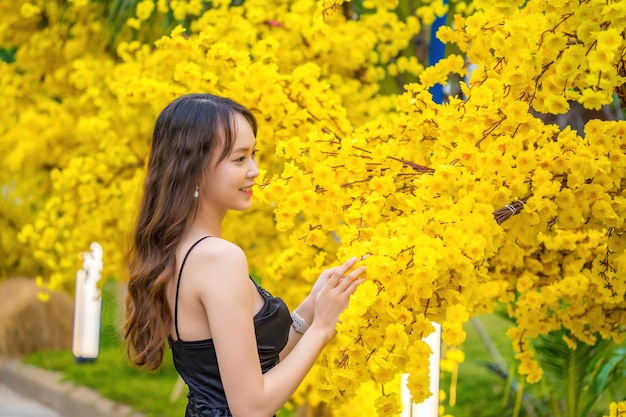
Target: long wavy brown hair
(186, 133)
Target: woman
(237, 347)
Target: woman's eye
(243, 158)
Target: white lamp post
(87, 307)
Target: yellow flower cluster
(417, 194)
(617, 409)
(409, 185)
(568, 53)
(71, 98)
(52, 93)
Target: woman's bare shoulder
(217, 257)
(219, 249)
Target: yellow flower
(383, 185)
(481, 96)
(457, 313)
(570, 218)
(555, 104)
(277, 190)
(453, 333)
(602, 210)
(29, 10)
(316, 238)
(402, 315)
(79, 3)
(617, 409)
(594, 100)
(284, 220)
(422, 327)
(601, 60)
(144, 10)
(586, 29)
(475, 249)
(363, 298)
(529, 367)
(134, 23)
(395, 335)
(609, 39)
(388, 405)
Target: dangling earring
(196, 193)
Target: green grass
(112, 375)
(480, 391)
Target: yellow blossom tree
(454, 207)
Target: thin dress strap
(180, 273)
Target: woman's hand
(307, 308)
(322, 280)
(333, 297)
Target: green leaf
(7, 55)
(582, 375)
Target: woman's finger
(357, 272)
(352, 288)
(342, 269)
(346, 281)
(328, 272)
(337, 273)
(333, 279)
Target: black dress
(196, 361)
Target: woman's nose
(253, 172)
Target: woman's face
(227, 184)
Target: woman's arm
(306, 311)
(221, 276)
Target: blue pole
(437, 51)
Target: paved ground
(28, 391)
(13, 404)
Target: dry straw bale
(28, 324)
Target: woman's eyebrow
(243, 148)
